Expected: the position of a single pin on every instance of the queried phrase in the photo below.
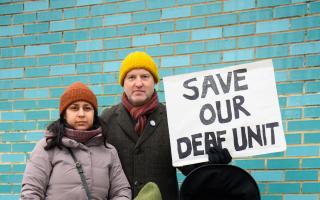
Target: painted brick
(163, 4)
(237, 55)
(283, 188)
(206, 9)
(111, 66)
(175, 61)
(36, 93)
(36, 5)
(12, 137)
(103, 33)
(314, 7)
(24, 40)
(233, 5)
(287, 63)
(49, 15)
(24, 104)
(281, 76)
(254, 41)
(222, 19)
(255, 15)
(216, 45)
(5, 42)
(305, 100)
(24, 18)
(37, 50)
(283, 164)
(5, 168)
(245, 29)
(265, 3)
(18, 168)
(75, 35)
(131, 6)
(36, 28)
(273, 26)
(305, 74)
(131, 30)
(301, 175)
(290, 88)
(190, 23)
(313, 60)
(117, 43)
(190, 48)
(284, 38)
(250, 164)
(34, 136)
(13, 158)
(76, 12)
(75, 58)
(175, 37)
(62, 25)
(175, 12)
(268, 175)
(312, 138)
(311, 187)
(203, 34)
(313, 112)
(16, 178)
(88, 2)
(305, 48)
(311, 162)
(305, 22)
(197, 59)
(89, 22)
(11, 73)
(313, 34)
(12, 116)
(49, 38)
(146, 16)
(290, 11)
(146, 40)
(49, 60)
(23, 147)
(5, 106)
(160, 50)
(5, 147)
(124, 52)
(5, 20)
(89, 45)
(62, 48)
(159, 27)
(269, 52)
(103, 56)
(104, 9)
(62, 3)
(43, 114)
(11, 30)
(302, 151)
(88, 68)
(112, 89)
(291, 113)
(183, 2)
(10, 9)
(62, 70)
(12, 52)
(293, 139)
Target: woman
(51, 172)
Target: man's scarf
(139, 113)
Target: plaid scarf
(139, 113)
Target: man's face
(138, 86)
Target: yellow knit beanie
(138, 60)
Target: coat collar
(126, 124)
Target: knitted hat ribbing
(77, 92)
(138, 60)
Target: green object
(149, 192)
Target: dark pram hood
(219, 182)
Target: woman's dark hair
(57, 129)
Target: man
(138, 128)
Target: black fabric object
(219, 182)
(217, 155)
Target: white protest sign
(234, 107)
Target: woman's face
(80, 115)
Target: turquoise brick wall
(47, 44)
